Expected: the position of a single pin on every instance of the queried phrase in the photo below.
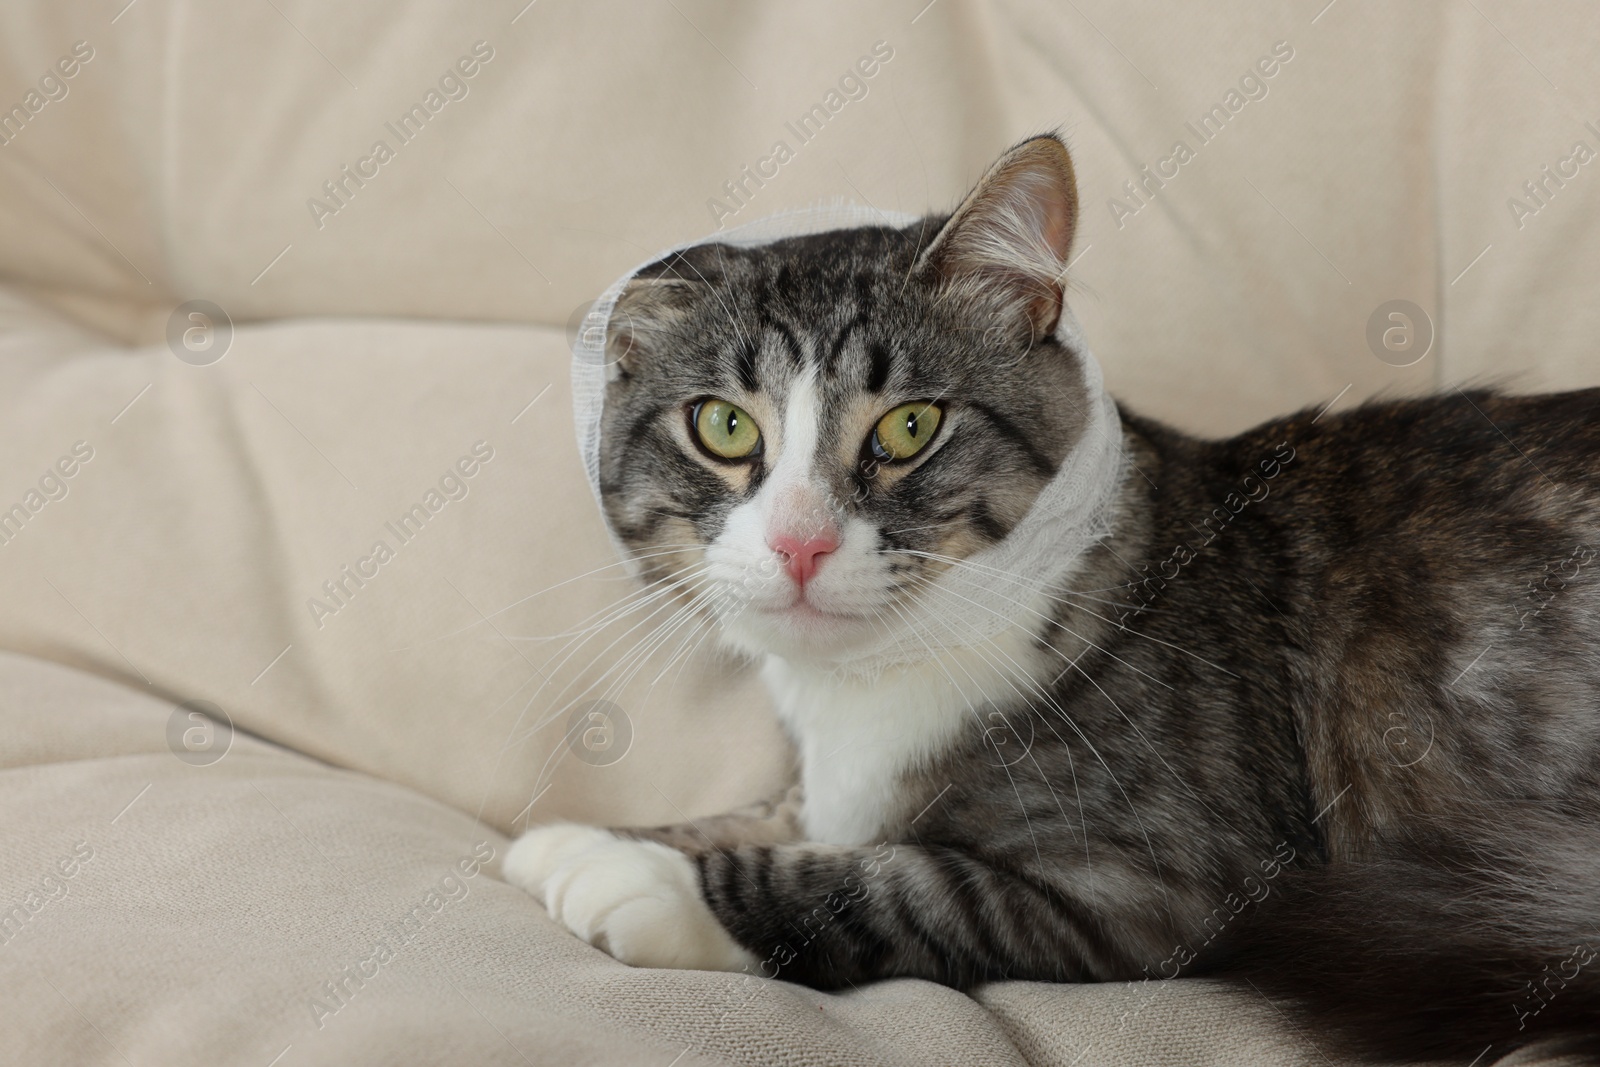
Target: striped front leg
(822, 915)
(827, 916)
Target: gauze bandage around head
(1006, 584)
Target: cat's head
(802, 435)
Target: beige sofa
(200, 498)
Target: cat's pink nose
(800, 557)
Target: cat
(1295, 709)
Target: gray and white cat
(1290, 717)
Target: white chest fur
(858, 738)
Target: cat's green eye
(905, 431)
(726, 430)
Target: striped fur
(1299, 646)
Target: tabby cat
(1317, 706)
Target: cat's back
(1433, 571)
(1458, 440)
(1474, 469)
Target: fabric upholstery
(374, 346)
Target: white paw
(638, 900)
(535, 856)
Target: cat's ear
(655, 301)
(1008, 241)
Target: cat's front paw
(540, 852)
(638, 900)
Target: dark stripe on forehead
(861, 298)
(877, 368)
(765, 321)
(831, 363)
(791, 342)
(745, 365)
(862, 290)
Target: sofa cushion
(211, 540)
(209, 500)
(1381, 160)
(262, 907)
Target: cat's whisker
(681, 609)
(1037, 688)
(608, 617)
(1038, 691)
(918, 529)
(557, 751)
(710, 629)
(628, 603)
(531, 596)
(657, 639)
(715, 291)
(662, 599)
(1048, 620)
(978, 717)
(996, 572)
(1049, 701)
(1143, 609)
(617, 679)
(1072, 665)
(696, 630)
(555, 669)
(546, 677)
(1016, 579)
(688, 615)
(699, 628)
(922, 232)
(706, 624)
